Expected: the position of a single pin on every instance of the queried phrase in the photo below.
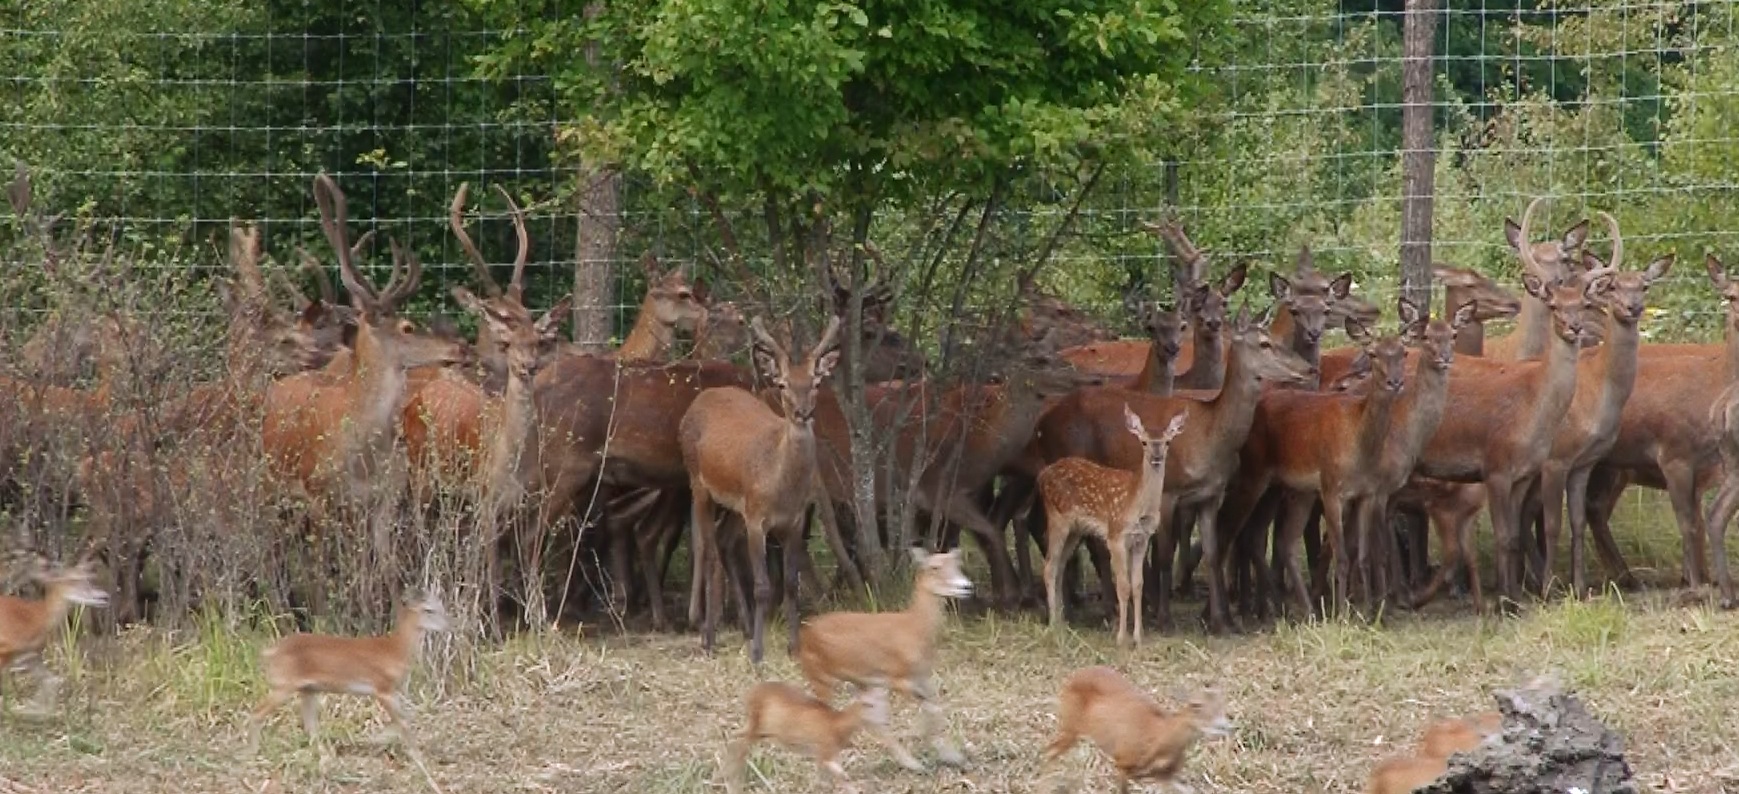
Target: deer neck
(1732, 341)
(1470, 340)
(513, 449)
(1210, 356)
(1149, 488)
(1157, 376)
(1558, 389)
(377, 387)
(407, 636)
(1374, 427)
(925, 610)
(1618, 362)
(1417, 415)
(650, 340)
(1233, 409)
(1533, 328)
(55, 606)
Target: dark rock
(1550, 745)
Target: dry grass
(602, 711)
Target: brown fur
(792, 718)
(894, 650)
(1405, 773)
(1088, 424)
(1142, 740)
(1549, 261)
(25, 624)
(759, 464)
(310, 665)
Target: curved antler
(1526, 249)
(456, 220)
(516, 286)
(334, 222)
(1617, 240)
(405, 261)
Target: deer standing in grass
(760, 465)
(310, 665)
(1119, 507)
(793, 718)
(1143, 741)
(894, 650)
(25, 624)
(334, 433)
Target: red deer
(760, 465)
(793, 718)
(26, 624)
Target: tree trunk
(1417, 190)
(600, 221)
(600, 224)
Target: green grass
(1315, 705)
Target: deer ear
(1535, 286)
(1717, 271)
(1175, 427)
(1359, 333)
(1576, 235)
(1512, 233)
(1407, 311)
(1234, 279)
(1133, 422)
(919, 556)
(1657, 269)
(1463, 315)
(1279, 286)
(1341, 286)
(551, 322)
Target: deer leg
(275, 700)
(1605, 486)
(1682, 489)
(1335, 537)
(1120, 580)
(311, 715)
(1720, 514)
(736, 761)
(1136, 568)
(1501, 505)
(1554, 482)
(930, 723)
(1291, 527)
(1207, 514)
(708, 565)
(1576, 500)
(757, 537)
(795, 554)
(1165, 546)
(962, 510)
(1054, 561)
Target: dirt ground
(602, 710)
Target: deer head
(1491, 301)
(1207, 711)
(1728, 288)
(394, 339)
(1568, 295)
(1164, 328)
(1627, 300)
(524, 344)
(940, 573)
(1154, 449)
(670, 298)
(1387, 354)
(1271, 362)
(797, 386)
(1205, 303)
(1550, 260)
(1308, 296)
(430, 614)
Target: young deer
(793, 718)
(1119, 507)
(889, 649)
(1404, 773)
(760, 465)
(1143, 741)
(313, 664)
(25, 624)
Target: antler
(516, 286)
(1526, 249)
(244, 256)
(404, 260)
(334, 221)
(456, 220)
(1617, 240)
(1306, 263)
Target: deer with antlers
(333, 434)
(760, 465)
(1119, 507)
(26, 624)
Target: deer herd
(1218, 443)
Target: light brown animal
(310, 665)
(894, 650)
(796, 720)
(1143, 741)
(1404, 773)
(1119, 507)
(1548, 261)
(759, 464)
(26, 624)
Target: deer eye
(683, 294)
(405, 327)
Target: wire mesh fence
(167, 119)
